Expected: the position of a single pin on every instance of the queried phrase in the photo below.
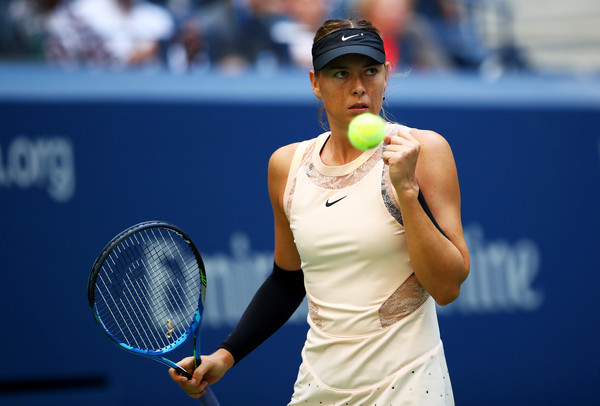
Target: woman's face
(350, 85)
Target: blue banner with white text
(75, 171)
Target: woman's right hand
(211, 369)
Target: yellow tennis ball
(366, 131)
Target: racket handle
(209, 398)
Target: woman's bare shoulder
(430, 139)
(281, 159)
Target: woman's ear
(315, 83)
(388, 68)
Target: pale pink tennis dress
(374, 338)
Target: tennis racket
(147, 289)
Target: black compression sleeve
(273, 304)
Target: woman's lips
(359, 108)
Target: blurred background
(115, 112)
(488, 37)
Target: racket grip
(209, 398)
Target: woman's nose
(358, 86)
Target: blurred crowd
(229, 35)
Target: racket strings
(146, 320)
(191, 278)
(147, 287)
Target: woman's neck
(338, 151)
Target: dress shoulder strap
(291, 179)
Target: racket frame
(195, 324)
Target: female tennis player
(372, 238)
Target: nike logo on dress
(344, 38)
(329, 204)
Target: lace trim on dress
(313, 311)
(404, 301)
(389, 197)
(342, 181)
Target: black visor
(347, 41)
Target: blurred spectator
(408, 39)
(455, 31)
(256, 43)
(298, 31)
(108, 33)
(23, 27)
(207, 35)
(188, 51)
(233, 35)
(203, 28)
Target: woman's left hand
(401, 155)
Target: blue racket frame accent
(156, 354)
